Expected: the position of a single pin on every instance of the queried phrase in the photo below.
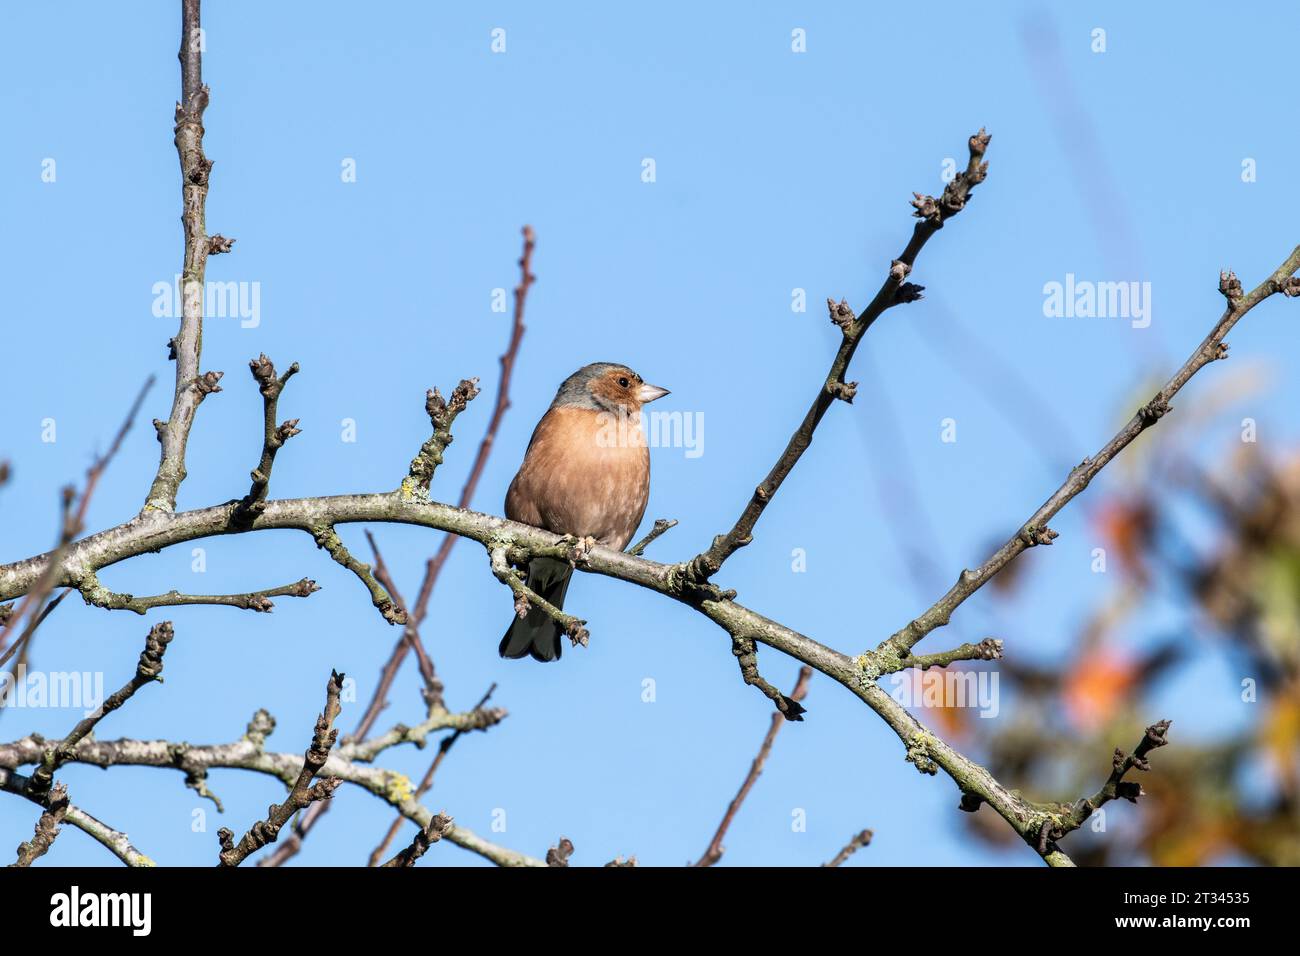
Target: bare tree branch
(1067, 819)
(1035, 531)
(70, 526)
(112, 840)
(304, 792)
(411, 636)
(191, 385)
(249, 753)
(327, 538)
(147, 670)
(557, 857)
(989, 649)
(47, 828)
(933, 214)
(273, 436)
(859, 841)
(444, 747)
(96, 594)
(661, 525)
(480, 718)
(411, 639)
(512, 544)
(715, 850)
(747, 658)
(442, 413)
(525, 598)
(426, 836)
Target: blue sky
(775, 171)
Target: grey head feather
(575, 391)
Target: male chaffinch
(586, 473)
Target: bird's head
(607, 386)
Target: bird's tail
(536, 633)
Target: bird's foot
(579, 548)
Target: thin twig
(327, 538)
(47, 828)
(112, 840)
(714, 853)
(432, 685)
(442, 412)
(661, 525)
(989, 649)
(747, 657)
(859, 841)
(249, 753)
(191, 386)
(304, 792)
(273, 436)
(1035, 530)
(1055, 826)
(933, 214)
(444, 747)
(72, 522)
(433, 568)
(147, 670)
(525, 597)
(97, 595)
(557, 857)
(424, 838)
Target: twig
(71, 525)
(989, 649)
(273, 436)
(22, 646)
(859, 841)
(933, 214)
(303, 793)
(191, 386)
(328, 539)
(411, 635)
(557, 857)
(525, 598)
(47, 828)
(714, 853)
(147, 670)
(442, 413)
(1035, 531)
(1054, 827)
(433, 567)
(426, 836)
(249, 753)
(96, 594)
(523, 542)
(661, 525)
(112, 840)
(480, 718)
(444, 747)
(44, 584)
(747, 657)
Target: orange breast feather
(586, 473)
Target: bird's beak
(648, 393)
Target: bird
(586, 473)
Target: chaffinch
(586, 473)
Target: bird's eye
(623, 383)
